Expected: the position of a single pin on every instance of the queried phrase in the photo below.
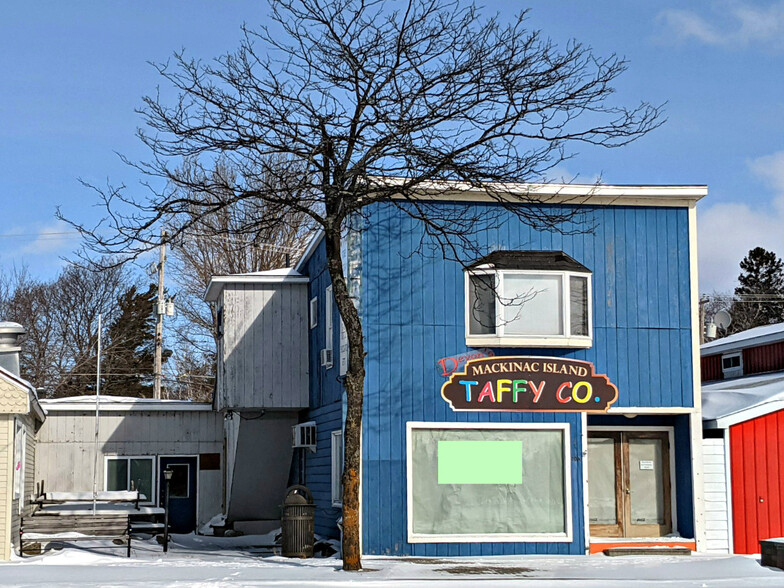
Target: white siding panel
(265, 346)
(716, 509)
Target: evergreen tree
(129, 357)
(759, 297)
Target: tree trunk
(354, 383)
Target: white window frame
(20, 458)
(500, 339)
(565, 537)
(313, 319)
(732, 372)
(337, 468)
(151, 500)
(329, 334)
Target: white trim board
(566, 537)
(650, 410)
(695, 418)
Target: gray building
(262, 385)
(137, 439)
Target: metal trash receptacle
(297, 523)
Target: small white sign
(646, 464)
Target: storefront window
(499, 483)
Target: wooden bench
(55, 528)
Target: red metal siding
(756, 454)
(765, 358)
(711, 368)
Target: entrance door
(182, 492)
(629, 484)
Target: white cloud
(58, 238)
(732, 24)
(727, 231)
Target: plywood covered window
(520, 298)
(470, 482)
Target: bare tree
(369, 101)
(61, 320)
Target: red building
(743, 416)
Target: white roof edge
(217, 282)
(682, 192)
(736, 344)
(744, 414)
(121, 404)
(312, 245)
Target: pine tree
(759, 297)
(128, 361)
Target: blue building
(541, 397)
(500, 473)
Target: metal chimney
(9, 346)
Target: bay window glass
(487, 484)
(532, 304)
(481, 304)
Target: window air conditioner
(326, 358)
(304, 436)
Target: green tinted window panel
(480, 462)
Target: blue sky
(73, 72)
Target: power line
(46, 234)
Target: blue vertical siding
(413, 314)
(326, 395)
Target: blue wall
(413, 309)
(326, 395)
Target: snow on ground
(201, 562)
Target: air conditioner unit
(304, 436)
(326, 358)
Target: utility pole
(160, 310)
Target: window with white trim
(528, 298)
(732, 364)
(471, 482)
(314, 312)
(327, 352)
(337, 468)
(20, 448)
(131, 473)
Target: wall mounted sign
(449, 365)
(518, 384)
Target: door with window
(629, 492)
(182, 492)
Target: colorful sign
(519, 384)
(449, 365)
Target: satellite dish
(722, 319)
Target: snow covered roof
(277, 276)
(748, 338)
(119, 404)
(729, 402)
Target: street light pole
(167, 474)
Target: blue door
(182, 492)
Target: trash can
(297, 523)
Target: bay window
(528, 298)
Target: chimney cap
(9, 327)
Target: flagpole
(97, 416)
